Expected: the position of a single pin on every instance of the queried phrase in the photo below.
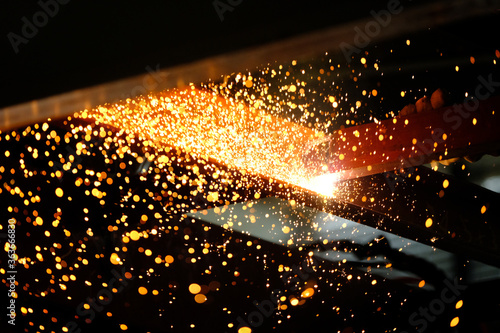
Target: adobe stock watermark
(222, 6)
(428, 314)
(11, 262)
(363, 37)
(455, 116)
(30, 27)
(104, 297)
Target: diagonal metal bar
(406, 142)
(300, 47)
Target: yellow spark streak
(228, 132)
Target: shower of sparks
(109, 187)
(162, 155)
(222, 130)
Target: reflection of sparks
(211, 127)
(324, 184)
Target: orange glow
(307, 293)
(169, 259)
(142, 290)
(200, 298)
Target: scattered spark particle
(454, 322)
(142, 290)
(200, 298)
(134, 235)
(194, 288)
(309, 292)
(59, 192)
